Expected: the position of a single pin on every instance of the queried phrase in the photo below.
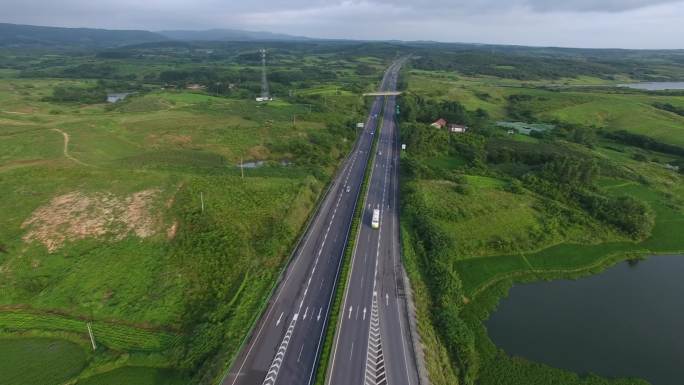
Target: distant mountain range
(229, 35)
(30, 35)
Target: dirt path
(66, 147)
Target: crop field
(136, 375)
(136, 217)
(117, 337)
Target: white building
(457, 128)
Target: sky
(565, 23)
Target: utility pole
(202, 200)
(92, 337)
(264, 82)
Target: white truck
(375, 223)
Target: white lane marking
(306, 312)
(300, 353)
(319, 314)
(386, 299)
(350, 311)
(279, 318)
(364, 313)
(351, 351)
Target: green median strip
(334, 311)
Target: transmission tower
(264, 83)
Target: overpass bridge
(383, 93)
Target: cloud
(594, 5)
(588, 23)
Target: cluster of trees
(415, 108)
(571, 171)
(101, 70)
(527, 63)
(577, 133)
(548, 167)
(75, 94)
(624, 213)
(643, 141)
(512, 66)
(433, 250)
(669, 107)
(567, 176)
(500, 150)
(519, 108)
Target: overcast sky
(574, 23)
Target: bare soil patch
(258, 152)
(77, 215)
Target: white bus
(375, 223)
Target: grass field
(574, 257)
(136, 217)
(480, 223)
(604, 108)
(487, 232)
(27, 361)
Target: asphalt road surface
(372, 343)
(285, 343)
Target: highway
(372, 343)
(285, 343)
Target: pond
(260, 163)
(625, 322)
(655, 86)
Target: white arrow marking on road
(364, 313)
(350, 310)
(386, 299)
(279, 318)
(306, 311)
(319, 314)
